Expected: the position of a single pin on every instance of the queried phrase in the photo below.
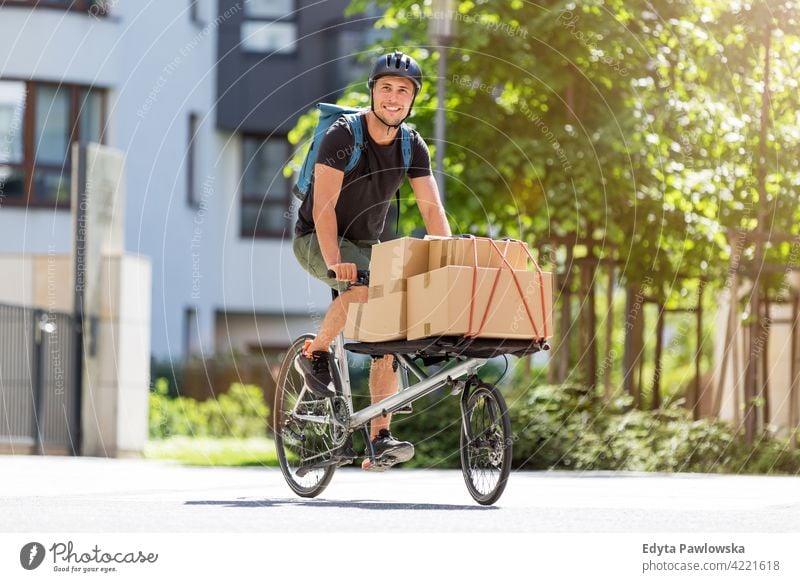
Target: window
(349, 66)
(269, 8)
(191, 164)
(191, 333)
(193, 11)
(266, 193)
(93, 7)
(269, 26)
(38, 122)
(12, 111)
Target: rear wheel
(485, 442)
(304, 434)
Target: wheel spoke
(485, 454)
(304, 432)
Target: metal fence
(39, 395)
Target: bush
(240, 413)
(434, 428)
(567, 427)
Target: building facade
(200, 96)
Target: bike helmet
(396, 64)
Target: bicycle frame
(407, 393)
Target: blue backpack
(328, 115)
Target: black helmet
(396, 64)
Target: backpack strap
(405, 145)
(354, 121)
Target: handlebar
(362, 276)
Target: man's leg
(316, 363)
(315, 366)
(336, 317)
(382, 384)
(388, 450)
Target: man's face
(392, 97)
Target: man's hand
(344, 271)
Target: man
(343, 216)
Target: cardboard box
(444, 251)
(439, 303)
(382, 318)
(398, 259)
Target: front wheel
(304, 434)
(485, 442)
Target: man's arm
(327, 187)
(430, 206)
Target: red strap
(502, 255)
(474, 284)
(541, 288)
(470, 333)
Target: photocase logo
(31, 555)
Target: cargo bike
(311, 432)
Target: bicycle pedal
(407, 409)
(342, 461)
(376, 466)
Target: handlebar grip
(362, 276)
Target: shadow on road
(352, 504)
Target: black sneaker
(388, 452)
(317, 372)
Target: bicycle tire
(288, 389)
(486, 443)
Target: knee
(358, 294)
(384, 363)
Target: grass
(214, 452)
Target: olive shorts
(308, 254)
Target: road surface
(61, 494)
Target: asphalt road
(58, 494)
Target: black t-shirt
(368, 189)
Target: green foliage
(434, 428)
(639, 122)
(166, 371)
(214, 452)
(241, 412)
(567, 427)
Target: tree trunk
(634, 306)
(751, 378)
(589, 325)
(563, 351)
(736, 366)
(764, 388)
(656, 401)
(698, 355)
(608, 360)
(794, 388)
(552, 362)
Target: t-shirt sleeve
(336, 146)
(420, 158)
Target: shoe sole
(390, 458)
(299, 369)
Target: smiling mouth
(392, 109)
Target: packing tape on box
(359, 313)
(443, 257)
(396, 286)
